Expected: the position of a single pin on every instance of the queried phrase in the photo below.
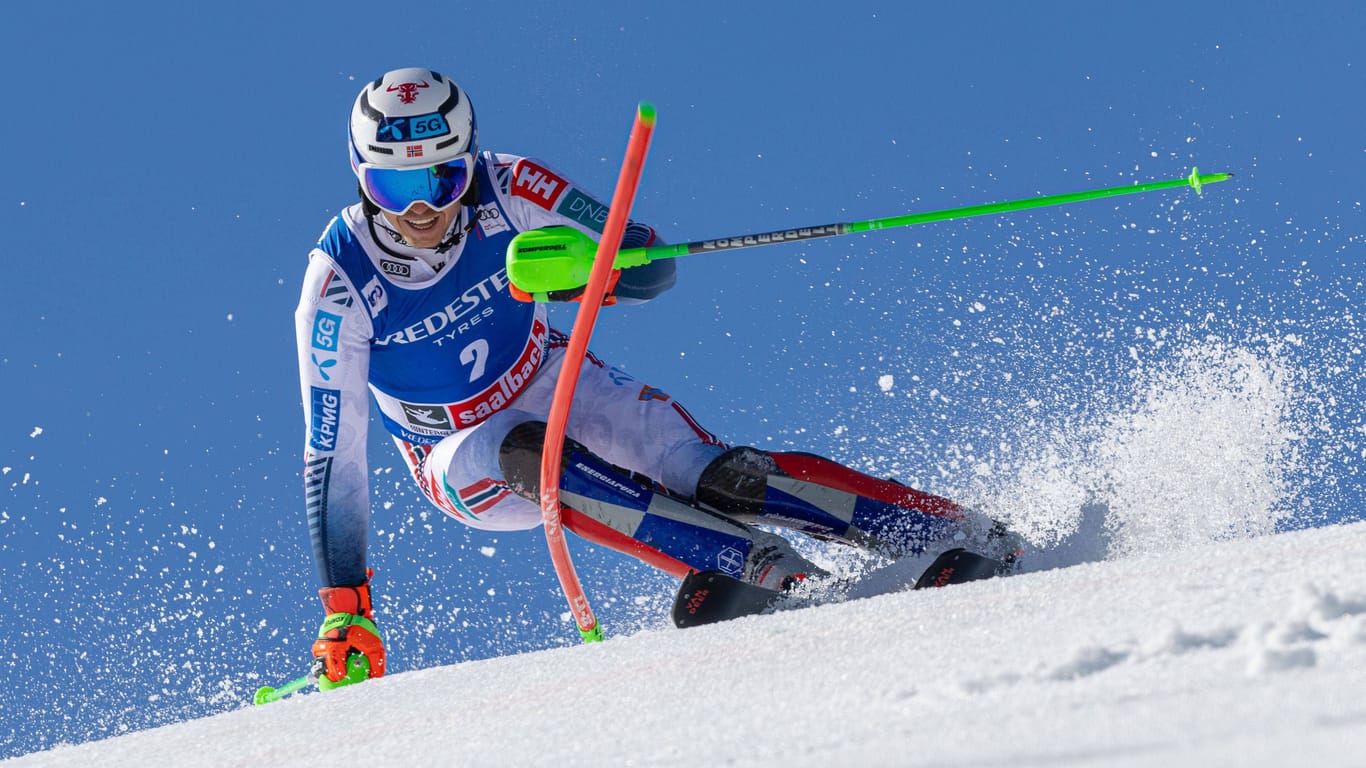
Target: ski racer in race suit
(406, 299)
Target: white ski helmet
(411, 118)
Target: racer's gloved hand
(554, 264)
(568, 294)
(349, 648)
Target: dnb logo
(585, 210)
(412, 128)
(407, 92)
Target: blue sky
(169, 168)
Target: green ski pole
(556, 258)
(265, 694)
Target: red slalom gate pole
(593, 294)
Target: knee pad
(519, 457)
(734, 482)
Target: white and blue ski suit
(462, 375)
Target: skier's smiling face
(421, 226)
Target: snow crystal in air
(885, 382)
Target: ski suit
(462, 374)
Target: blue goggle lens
(396, 189)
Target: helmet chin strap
(371, 210)
(455, 234)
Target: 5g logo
(429, 125)
(411, 128)
(326, 329)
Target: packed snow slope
(1247, 652)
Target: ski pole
(265, 694)
(555, 258)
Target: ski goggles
(398, 189)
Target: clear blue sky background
(168, 167)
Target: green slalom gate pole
(556, 258)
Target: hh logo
(539, 185)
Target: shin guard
(607, 506)
(805, 492)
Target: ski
(708, 597)
(958, 566)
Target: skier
(406, 295)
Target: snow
(1248, 652)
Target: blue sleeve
(645, 282)
(640, 284)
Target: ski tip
(264, 695)
(707, 597)
(645, 112)
(959, 566)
